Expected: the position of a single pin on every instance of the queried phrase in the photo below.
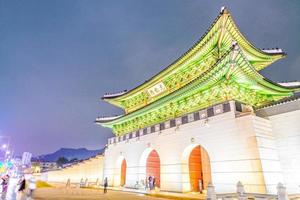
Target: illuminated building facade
(210, 116)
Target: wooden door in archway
(199, 168)
(153, 167)
(123, 173)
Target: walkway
(89, 194)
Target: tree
(61, 161)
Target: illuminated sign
(157, 89)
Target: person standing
(105, 185)
(150, 182)
(153, 184)
(21, 188)
(146, 184)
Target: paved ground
(87, 194)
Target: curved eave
(111, 97)
(166, 70)
(263, 58)
(251, 49)
(276, 89)
(264, 82)
(112, 101)
(104, 123)
(295, 97)
(103, 120)
(295, 88)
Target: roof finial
(234, 45)
(224, 10)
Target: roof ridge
(182, 55)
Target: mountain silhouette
(70, 153)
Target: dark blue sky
(58, 57)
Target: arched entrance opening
(199, 169)
(153, 167)
(123, 173)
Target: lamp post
(5, 150)
(5, 146)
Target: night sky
(58, 57)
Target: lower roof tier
(231, 78)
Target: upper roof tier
(232, 77)
(202, 55)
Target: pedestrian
(153, 180)
(105, 185)
(4, 184)
(146, 184)
(21, 188)
(32, 187)
(150, 182)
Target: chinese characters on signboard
(157, 89)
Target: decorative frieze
(191, 117)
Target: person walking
(153, 182)
(4, 184)
(32, 187)
(105, 185)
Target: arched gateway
(120, 170)
(153, 167)
(196, 170)
(199, 169)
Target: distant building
(43, 166)
(46, 166)
(26, 158)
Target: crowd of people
(22, 191)
(149, 183)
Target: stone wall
(230, 139)
(91, 169)
(286, 127)
(285, 124)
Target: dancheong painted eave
(192, 64)
(232, 78)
